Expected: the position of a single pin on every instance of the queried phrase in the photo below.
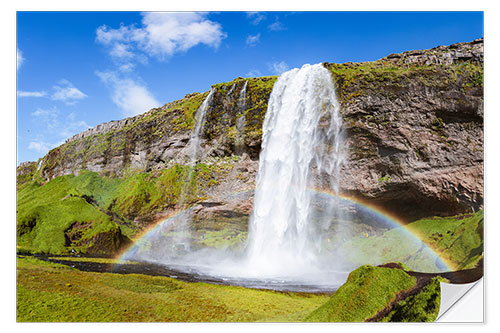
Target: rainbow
(390, 220)
(382, 214)
(153, 228)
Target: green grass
(96, 260)
(46, 292)
(46, 212)
(188, 107)
(422, 307)
(457, 239)
(357, 79)
(227, 238)
(367, 290)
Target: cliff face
(159, 138)
(413, 125)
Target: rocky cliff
(413, 124)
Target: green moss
(45, 294)
(422, 307)
(367, 290)
(457, 239)
(46, 213)
(384, 179)
(141, 284)
(187, 107)
(226, 238)
(438, 126)
(365, 78)
(25, 173)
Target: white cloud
(67, 93)
(255, 17)
(73, 127)
(253, 40)
(31, 94)
(161, 35)
(121, 50)
(45, 112)
(41, 146)
(49, 117)
(20, 58)
(125, 68)
(53, 123)
(278, 67)
(253, 73)
(276, 25)
(130, 96)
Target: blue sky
(76, 70)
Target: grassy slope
(45, 212)
(422, 307)
(458, 239)
(50, 292)
(367, 290)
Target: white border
(8, 24)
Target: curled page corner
(462, 302)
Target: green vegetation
(45, 212)
(222, 119)
(358, 79)
(422, 307)
(188, 107)
(73, 212)
(458, 240)
(226, 238)
(367, 290)
(25, 173)
(384, 179)
(48, 292)
(91, 259)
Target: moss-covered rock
(384, 294)
(91, 213)
(367, 291)
(422, 307)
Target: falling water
(181, 228)
(38, 166)
(229, 93)
(195, 141)
(298, 150)
(240, 123)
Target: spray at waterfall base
(296, 237)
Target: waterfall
(195, 141)
(298, 152)
(231, 90)
(240, 122)
(181, 225)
